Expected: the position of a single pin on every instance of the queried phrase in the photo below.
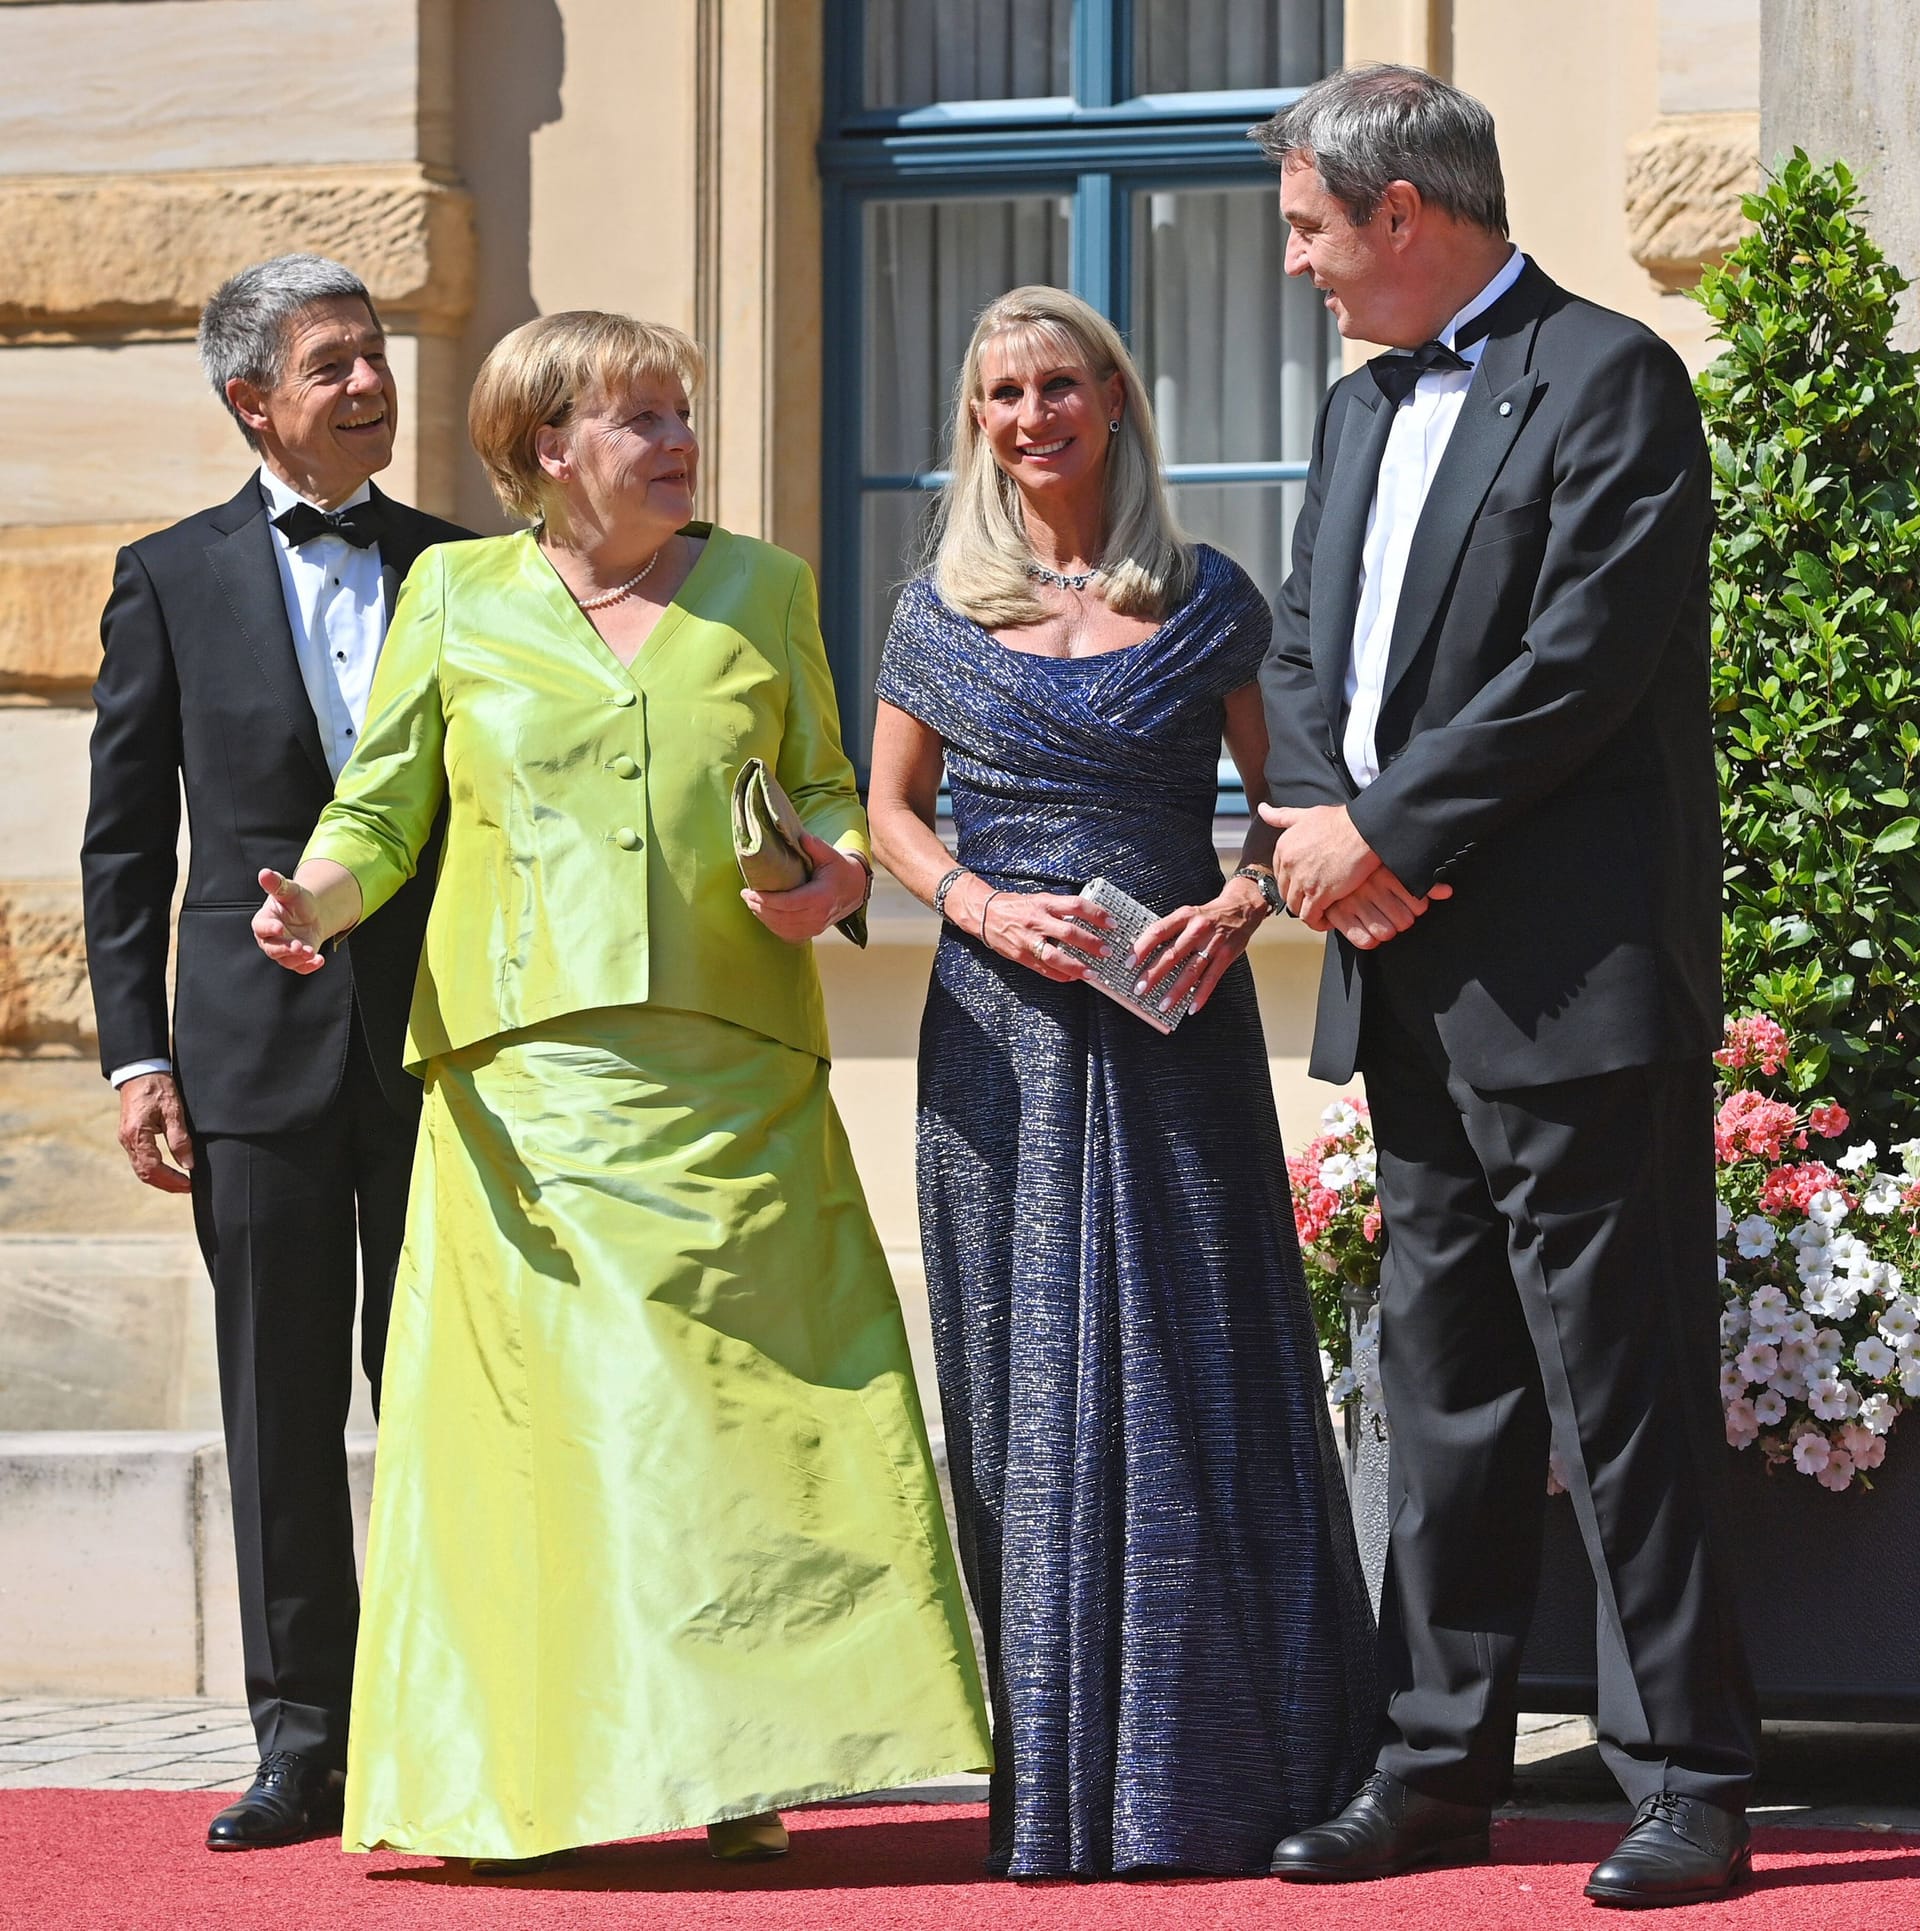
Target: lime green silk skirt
(656, 1538)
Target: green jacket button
(627, 838)
(623, 766)
(623, 699)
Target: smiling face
(327, 423)
(1356, 265)
(629, 461)
(1044, 413)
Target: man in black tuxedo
(239, 646)
(1488, 685)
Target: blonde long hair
(978, 548)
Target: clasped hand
(837, 889)
(1332, 879)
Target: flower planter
(1828, 1588)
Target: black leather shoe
(292, 1797)
(1386, 1829)
(1677, 1850)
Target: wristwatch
(1269, 886)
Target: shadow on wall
(511, 57)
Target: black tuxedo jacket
(1545, 741)
(200, 684)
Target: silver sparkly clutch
(1114, 975)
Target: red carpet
(132, 1861)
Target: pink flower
(1754, 1040)
(1829, 1121)
(1370, 1226)
(1795, 1187)
(1751, 1126)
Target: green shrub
(1815, 428)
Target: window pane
(922, 51)
(893, 526)
(1251, 522)
(1203, 46)
(932, 266)
(1235, 356)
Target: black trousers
(1550, 1274)
(278, 1219)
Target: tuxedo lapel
(243, 565)
(1493, 414)
(1339, 541)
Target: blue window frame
(932, 206)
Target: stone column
(1841, 78)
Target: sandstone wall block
(44, 997)
(53, 585)
(1685, 177)
(111, 254)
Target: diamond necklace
(1078, 580)
(632, 584)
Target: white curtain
(1204, 46)
(921, 51)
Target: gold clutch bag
(767, 840)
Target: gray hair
(244, 326)
(1373, 125)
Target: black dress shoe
(1386, 1829)
(292, 1797)
(1677, 1850)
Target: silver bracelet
(946, 885)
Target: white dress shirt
(1422, 428)
(336, 609)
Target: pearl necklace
(1078, 580)
(632, 584)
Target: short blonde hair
(979, 547)
(540, 374)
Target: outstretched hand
(287, 927)
(837, 889)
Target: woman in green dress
(656, 1539)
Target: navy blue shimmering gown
(1151, 1515)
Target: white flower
(1873, 1358)
(1898, 1322)
(1857, 1159)
(1828, 1346)
(1733, 1324)
(1720, 1268)
(1341, 1117)
(1851, 1255)
(1794, 1355)
(1756, 1361)
(1878, 1413)
(1827, 1208)
(1367, 1160)
(1769, 1407)
(1882, 1194)
(1907, 1152)
(1806, 1235)
(1838, 1472)
(1811, 1452)
(1338, 1172)
(1799, 1325)
(1342, 1388)
(1816, 1276)
(1732, 1382)
(1743, 1424)
(1833, 1398)
(1839, 1297)
(1767, 1306)
(1755, 1237)
(1884, 1279)
(1790, 1384)
(1722, 1220)
(1910, 1379)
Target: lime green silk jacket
(589, 847)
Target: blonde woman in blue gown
(656, 1540)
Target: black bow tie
(361, 524)
(1396, 374)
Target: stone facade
(1685, 178)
